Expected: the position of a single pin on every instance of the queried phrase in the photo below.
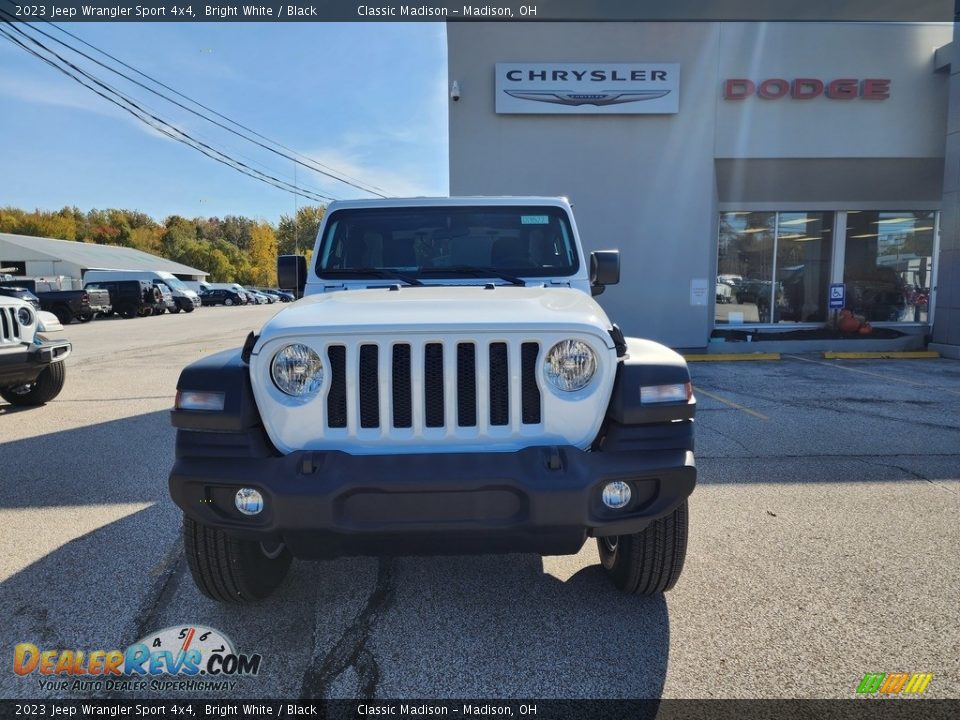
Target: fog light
(616, 495)
(250, 502)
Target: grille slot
(9, 325)
(466, 385)
(433, 385)
(337, 396)
(402, 398)
(499, 385)
(529, 392)
(369, 387)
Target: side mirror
(604, 270)
(292, 273)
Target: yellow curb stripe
(730, 403)
(891, 355)
(726, 357)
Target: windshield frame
(558, 219)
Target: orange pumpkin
(847, 322)
(865, 329)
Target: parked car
(184, 297)
(284, 295)
(32, 371)
(168, 302)
(21, 294)
(128, 298)
(220, 296)
(67, 305)
(261, 297)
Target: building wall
(648, 183)
(946, 328)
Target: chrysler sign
(588, 88)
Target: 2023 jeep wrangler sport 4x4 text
(447, 385)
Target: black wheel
(63, 313)
(174, 310)
(129, 311)
(188, 308)
(85, 317)
(42, 390)
(228, 302)
(650, 561)
(230, 570)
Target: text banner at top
(498, 10)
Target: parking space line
(875, 374)
(731, 403)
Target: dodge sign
(587, 88)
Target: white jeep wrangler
(447, 385)
(31, 367)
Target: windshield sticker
(534, 220)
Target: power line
(310, 164)
(130, 106)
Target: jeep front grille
(433, 385)
(9, 325)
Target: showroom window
(888, 264)
(773, 267)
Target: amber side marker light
(199, 400)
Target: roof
(455, 201)
(98, 257)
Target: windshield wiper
(474, 271)
(369, 272)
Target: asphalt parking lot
(824, 536)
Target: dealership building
(757, 177)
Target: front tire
(650, 561)
(228, 302)
(45, 388)
(231, 570)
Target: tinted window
(526, 241)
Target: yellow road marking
(889, 378)
(730, 403)
(892, 355)
(726, 357)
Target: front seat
(510, 252)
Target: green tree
(297, 234)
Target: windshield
(448, 242)
(175, 284)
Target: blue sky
(368, 99)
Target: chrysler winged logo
(575, 99)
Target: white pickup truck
(446, 385)
(31, 367)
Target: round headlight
(25, 316)
(570, 365)
(297, 370)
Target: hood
(440, 308)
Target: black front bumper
(326, 504)
(24, 365)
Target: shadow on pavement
(119, 461)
